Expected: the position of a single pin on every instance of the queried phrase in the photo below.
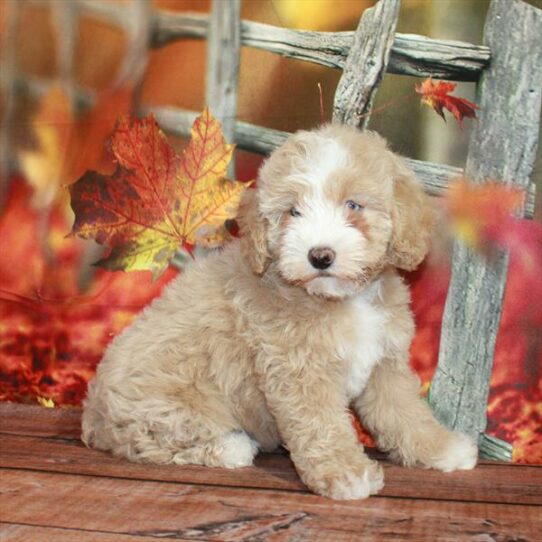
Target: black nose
(321, 258)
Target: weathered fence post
(223, 54)
(138, 28)
(66, 20)
(366, 64)
(8, 89)
(502, 148)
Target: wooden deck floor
(54, 489)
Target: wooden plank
(271, 471)
(365, 64)
(168, 510)
(436, 177)
(223, 54)
(495, 448)
(34, 420)
(13, 532)
(502, 147)
(420, 56)
(411, 54)
(489, 482)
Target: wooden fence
(507, 68)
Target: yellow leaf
(208, 198)
(45, 402)
(68, 144)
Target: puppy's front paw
(458, 453)
(347, 483)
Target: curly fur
(254, 347)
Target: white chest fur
(366, 346)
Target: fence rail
(410, 54)
(436, 178)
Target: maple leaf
(437, 96)
(66, 144)
(156, 201)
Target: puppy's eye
(353, 205)
(294, 212)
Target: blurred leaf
(68, 145)
(483, 213)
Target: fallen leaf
(53, 330)
(437, 96)
(156, 202)
(45, 402)
(67, 144)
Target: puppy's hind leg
(231, 450)
(404, 425)
(198, 430)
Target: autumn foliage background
(57, 313)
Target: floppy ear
(252, 226)
(413, 218)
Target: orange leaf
(479, 211)
(155, 202)
(68, 145)
(209, 199)
(437, 96)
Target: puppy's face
(325, 205)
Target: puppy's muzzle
(321, 258)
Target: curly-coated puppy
(270, 340)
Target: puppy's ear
(413, 218)
(252, 226)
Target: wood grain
(52, 488)
(13, 532)
(169, 510)
(37, 421)
(223, 53)
(489, 482)
(411, 54)
(502, 147)
(365, 64)
(47, 440)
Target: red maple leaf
(437, 96)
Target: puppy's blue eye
(294, 212)
(353, 205)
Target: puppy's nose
(321, 258)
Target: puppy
(272, 339)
